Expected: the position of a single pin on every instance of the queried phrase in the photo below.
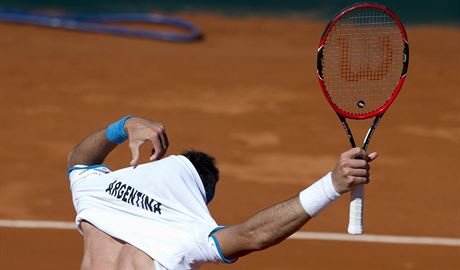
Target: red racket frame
(383, 108)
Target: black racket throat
(368, 136)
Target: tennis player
(155, 215)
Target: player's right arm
(272, 225)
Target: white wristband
(317, 196)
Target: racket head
(362, 61)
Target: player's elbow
(258, 239)
(74, 158)
(265, 240)
(71, 158)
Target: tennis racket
(363, 58)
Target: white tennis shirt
(158, 207)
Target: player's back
(105, 252)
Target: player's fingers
(372, 156)
(134, 152)
(353, 153)
(154, 156)
(358, 172)
(357, 164)
(164, 138)
(360, 180)
(362, 154)
(159, 141)
(158, 149)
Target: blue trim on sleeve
(80, 167)
(225, 260)
(217, 229)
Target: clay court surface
(249, 95)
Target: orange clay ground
(249, 95)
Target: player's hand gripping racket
(363, 57)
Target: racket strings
(366, 71)
(363, 59)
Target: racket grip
(356, 224)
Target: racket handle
(356, 224)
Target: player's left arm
(98, 145)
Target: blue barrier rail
(95, 23)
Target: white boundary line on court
(38, 224)
(371, 238)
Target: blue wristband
(116, 132)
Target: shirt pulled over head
(158, 207)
